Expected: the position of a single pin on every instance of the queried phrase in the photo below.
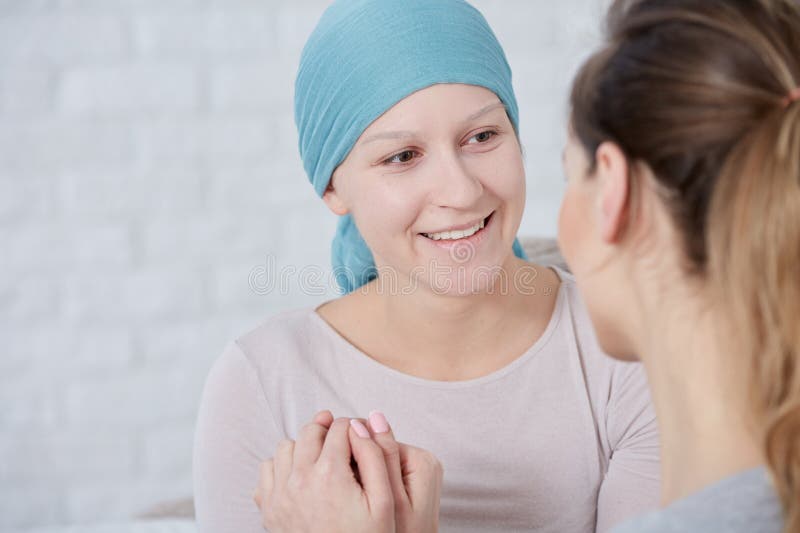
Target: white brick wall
(148, 165)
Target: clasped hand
(349, 475)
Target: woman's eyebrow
(387, 135)
(406, 134)
(485, 110)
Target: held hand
(415, 476)
(310, 486)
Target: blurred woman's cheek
(569, 224)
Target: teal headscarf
(363, 57)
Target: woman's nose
(454, 184)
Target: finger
(422, 471)
(384, 437)
(324, 418)
(266, 483)
(284, 457)
(308, 446)
(353, 464)
(336, 449)
(372, 468)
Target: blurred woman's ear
(612, 175)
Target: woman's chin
(469, 279)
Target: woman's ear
(334, 201)
(613, 173)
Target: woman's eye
(482, 137)
(402, 157)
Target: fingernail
(360, 429)
(378, 422)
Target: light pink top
(561, 440)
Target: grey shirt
(742, 503)
(561, 440)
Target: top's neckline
(362, 358)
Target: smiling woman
(409, 132)
(436, 186)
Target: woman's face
(436, 186)
(589, 229)
(589, 209)
(575, 221)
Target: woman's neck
(700, 395)
(453, 338)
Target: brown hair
(697, 90)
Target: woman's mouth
(472, 234)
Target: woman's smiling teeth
(454, 235)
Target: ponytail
(754, 264)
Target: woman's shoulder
(741, 503)
(280, 339)
(285, 324)
(578, 320)
(574, 315)
(606, 376)
(573, 327)
(567, 284)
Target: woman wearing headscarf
(408, 128)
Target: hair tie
(793, 96)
